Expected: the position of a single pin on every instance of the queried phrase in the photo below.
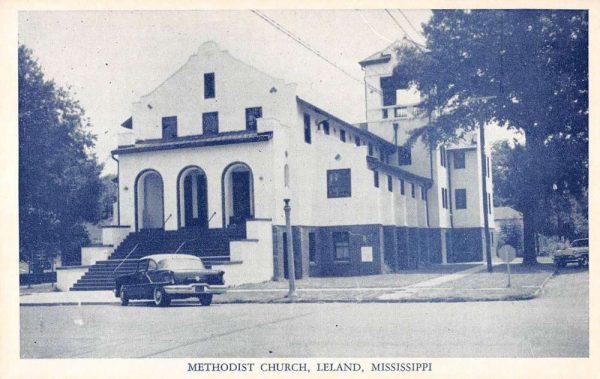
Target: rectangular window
(460, 198)
(307, 128)
(341, 244)
(326, 127)
(385, 113)
(169, 127)
(209, 85)
(423, 193)
(312, 247)
(400, 112)
(388, 90)
(412, 190)
(402, 186)
(357, 141)
(370, 149)
(444, 204)
(251, 115)
(459, 159)
(404, 156)
(390, 185)
(210, 123)
(443, 156)
(376, 178)
(339, 183)
(342, 135)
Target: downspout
(118, 191)
(366, 103)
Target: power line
(410, 23)
(402, 29)
(288, 33)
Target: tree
(560, 211)
(59, 177)
(523, 69)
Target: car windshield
(180, 264)
(579, 243)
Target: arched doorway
(149, 200)
(238, 194)
(192, 198)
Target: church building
(207, 158)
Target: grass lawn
(521, 276)
(394, 280)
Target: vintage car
(578, 252)
(163, 277)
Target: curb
(461, 299)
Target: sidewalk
(450, 283)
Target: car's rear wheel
(583, 261)
(206, 299)
(161, 299)
(124, 297)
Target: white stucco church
(207, 158)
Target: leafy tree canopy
(59, 177)
(523, 69)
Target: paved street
(555, 324)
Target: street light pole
(290, 252)
(486, 206)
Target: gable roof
(361, 132)
(385, 55)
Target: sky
(109, 59)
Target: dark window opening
(413, 190)
(252, 114)
(443, 156)
(423, 193)
(459, 159)
(339, 183)
(389, 91)
(389, 183)
(209, 85)
(341, 244)
(376, 178)
(307, 138)
(460, 198)
(357, 141)
(169, 127)
(312, 247)
(402, 186)
(370, 149)
(385, 113)
(404, 156)
(210, 123)
(326, 127)
(342, 135)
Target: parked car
(163, 277)
(578, 253)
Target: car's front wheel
(206, 299)
(124, 297)
(583, 261)
(161, 299)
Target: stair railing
(137, 244)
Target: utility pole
(486, 224)
(290, 252)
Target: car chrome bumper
(193, 289)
